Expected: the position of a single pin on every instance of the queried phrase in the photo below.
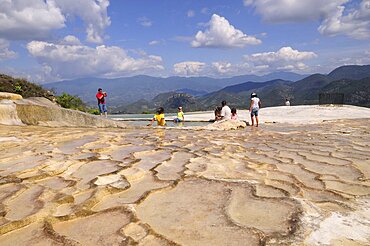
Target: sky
(51, 40)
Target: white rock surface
(305, 114)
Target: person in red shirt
(101, 102)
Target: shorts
(177, 120)
(254, 112)
(102, 108)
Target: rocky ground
(274, 185)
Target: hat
(180, 107)
(253, 94)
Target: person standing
(101, 102)
(255, 105)
(287, 103)
(225, 111)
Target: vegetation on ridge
(23, 87)
(28, 89)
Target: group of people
(225, 113)
(221, 113)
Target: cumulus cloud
(72, 60)
(222, 67)
(355, 24)
(221, 34)
(144, 21)
(336, 17)
(29, 19)
(5, 53)
(294, 10)
(189, 68)
(35, 19)
(285, 58)
(92, 12)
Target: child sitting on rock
(159, 117)
(234, 115)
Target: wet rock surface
(273, 185)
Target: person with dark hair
(225, 111)
(218, 113)
(234, 115)
(254, 107)
(101, 102)
(159, 117)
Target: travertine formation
(273, 185)
(41, 112)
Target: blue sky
(49, 40)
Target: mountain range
(144, 93)
(354, 83)
(126, 90)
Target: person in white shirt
(254, 107)
(287, 103)
(225, 111)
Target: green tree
(72, 102)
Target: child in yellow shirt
(159, 117)
(180, 116)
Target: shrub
(72, 102)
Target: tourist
(180, 116)
(287, 103)
(254, 107)
(159, 117)
(234, 115)
(225, 111)
(101, 102)
(218, 113)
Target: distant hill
(170, 100)
(353, 72)
(238, 95)
(356, 92)
(126, 90)
(306, 91)
(195, 93)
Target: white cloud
(35, 19)
(70, 40)
(294, 10)
(75, 60)
(355, 24)
(223, 67)
(189, 68)
(157, 42)
(144, 21)
(336, 17)
(5, 53)
(92, 12)
(221, 34)
(29, 19)
(190, 13)
(285, 58)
